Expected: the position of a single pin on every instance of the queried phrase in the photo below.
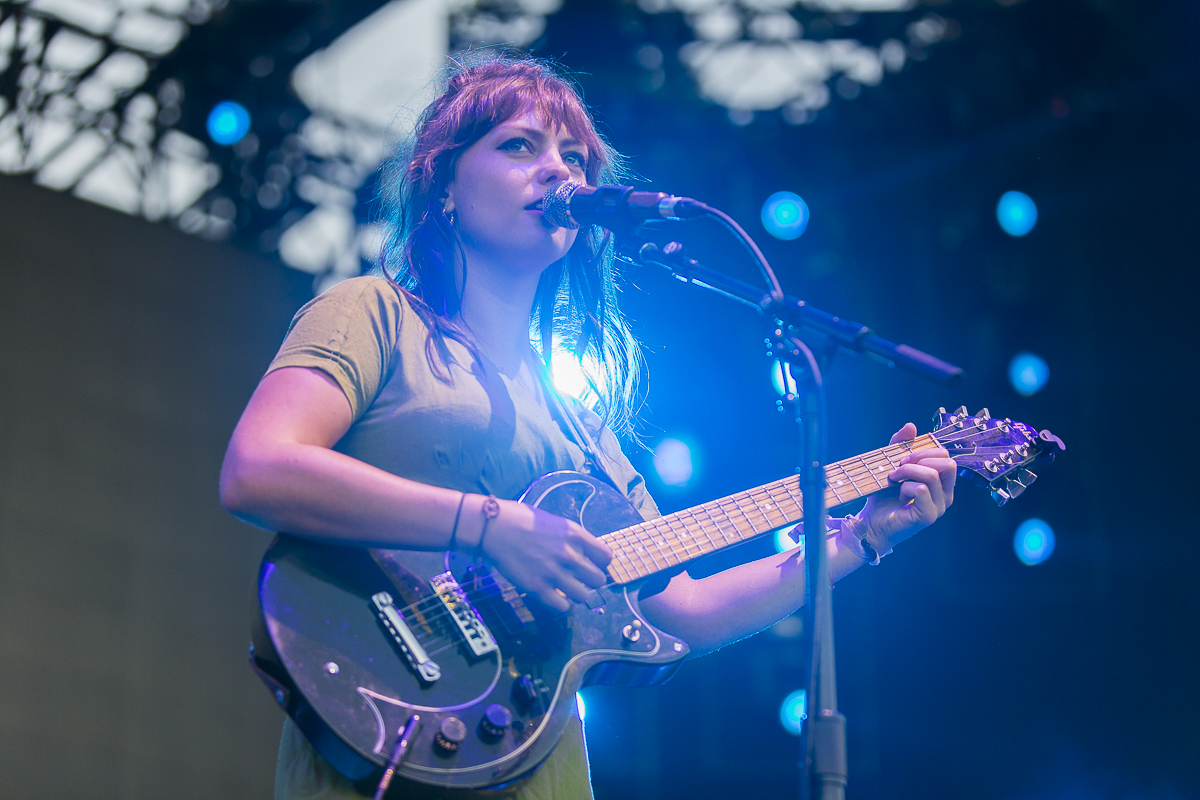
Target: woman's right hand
(540, 552)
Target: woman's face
(497, 192)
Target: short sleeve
(349, 332)
(618, 465)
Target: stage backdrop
(126, 353)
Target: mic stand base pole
(824, 732)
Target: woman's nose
(554, 169)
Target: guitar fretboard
(646, 548)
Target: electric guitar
(352, 642)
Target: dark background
(127, 350)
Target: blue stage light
(581, 706)
(781, 378)
(571, 375)
(1028, 373)
(785, 215)
(1034, 541)
(788, 539)
(793, 712)
(673, 462)
(1016, 213)
(228, 122)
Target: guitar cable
(398, 753)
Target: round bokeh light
(228, 123)
(789, 538)
(1028, 373)
(793, 712)
(673, 462)
(1017, 213)
(1034, 541)
(785, 215)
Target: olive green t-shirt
(478, 432)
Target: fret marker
(839, 483)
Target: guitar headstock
(995, 453)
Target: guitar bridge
(478, 637)
(425, 666)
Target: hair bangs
(496, 99)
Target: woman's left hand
(926, 490)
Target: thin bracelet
(872, 556)
(490, 510)
(457, 515)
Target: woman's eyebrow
(539, 136)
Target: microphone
(573, 205)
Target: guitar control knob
(496, 720)
(633, 631)
(451, 734)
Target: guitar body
(349, 681)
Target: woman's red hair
(576, 302)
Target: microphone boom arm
(853, 336)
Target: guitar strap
(574, 429)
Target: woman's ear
(447, 201)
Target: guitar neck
(642, 550)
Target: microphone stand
(793, 325)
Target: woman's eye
(515, 144)
(575, 158)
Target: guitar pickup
(478, 637)
(386, 610)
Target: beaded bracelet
(490, 510)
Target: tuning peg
(984, 414)
(1015, 488)
(962, 411)
(1000, 496)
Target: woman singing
(398, 407)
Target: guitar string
(644, 536)
(853, 474)
(780, 491)
(640, 540)
(429, 640)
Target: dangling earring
(450, 216)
